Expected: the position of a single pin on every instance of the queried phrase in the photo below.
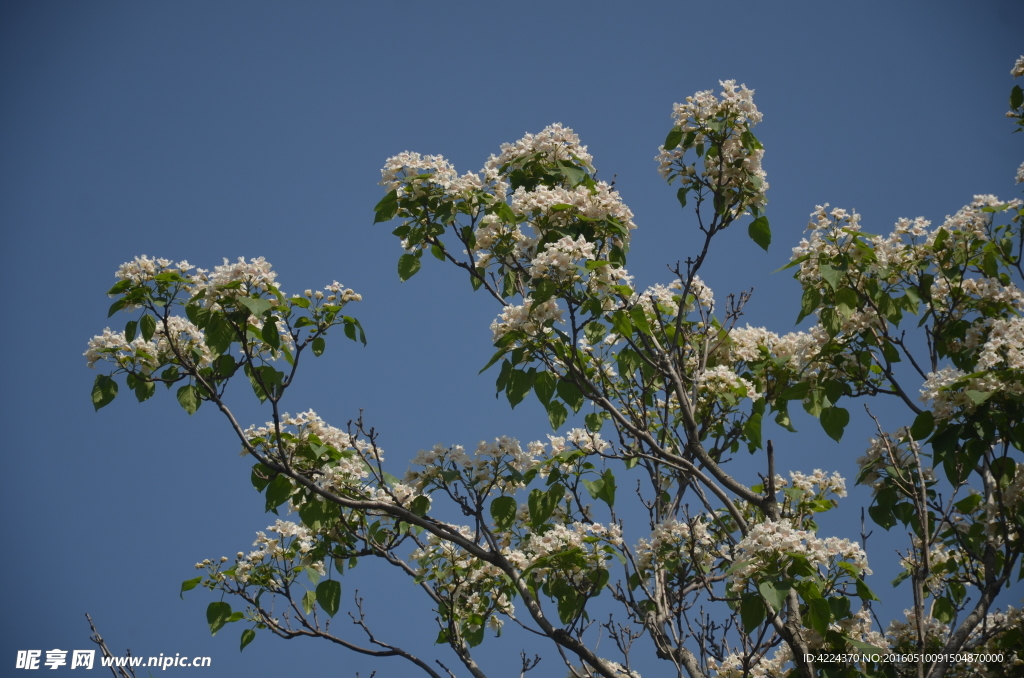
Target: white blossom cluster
(674, 540)
(527, 318)
(601, 202)
(774, 541)
(555, 142)
(270, 549)
(488, 465)
(142, 269)
(236, 279)
(180, 340)
(706, 115)
(561, 259)
(720, 380)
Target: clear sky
(203, 130)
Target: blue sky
(203, 130)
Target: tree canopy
(638, 508)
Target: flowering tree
(723, 578)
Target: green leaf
(188, 585)
(640, 319)
(256, 306)
(1016, 97)
(621, 324)
(944, 610)
(248, 636)
(681, 195)
(809, 303)
(924, 423)
(148, 326)
(831, 321)
(144, 390)
(328, 594)
(503, 511)
(542, 504)
(104, 390)
(270, 334)
(420, 505)
(318, 346)
(387, 207)
(760, 232)
(751, 611)
(675, 135)
(834, 420)
(188, 398)
(437, 252)
(217, 615)
(594, 421)
(557, 414)
(571, 394)
(278, 491)
(831, 275)
(544, 387)
(775, 597)
(308, 601)
(408, 265)
(129, 330)
(519, 384)
(819, 614)
(847, 301)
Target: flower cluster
(555, 142)
(530, 319)
(674, 543)
(719, 128)
(779, 541)
(293, 541)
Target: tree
(726, 578)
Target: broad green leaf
(104, 390)
(594, 421)
(188, 398)
(519, 384)
(256, 306)
(556, 414)
(144, 390)
(408, 265)
(924, 423)
(809, 303)
(831, 275)
(217, 615)
(751, 611)
(776, 597)
(834, 420)
(1016, 97)
(420, 505)
(318, 346)
(544, 387)
(503, 511)
(571, 394)
(328, 594)
(188, 585)
(818, 616)
(308, 601)
(681, 195)
(147, 324)
(387, 207)
(129, 330)
(760, 232)
(640, 319)
(270, 334)
(675, 136)
(248, 636)
(278, 491)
